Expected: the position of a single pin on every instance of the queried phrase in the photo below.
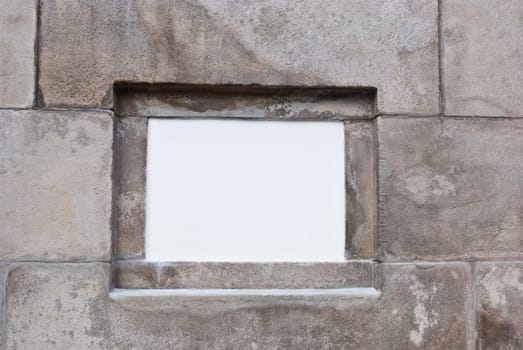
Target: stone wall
(445, 141)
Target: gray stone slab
(87, 45)
(69, 306)
(450, 188)
(361, 186)
(499, 300)
(57, 306)
(196, 275)
(55, 185)
(482, 57)
(129, 175)
(17, 63)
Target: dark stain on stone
(495, 332)
(81, 137)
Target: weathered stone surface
(450, 188)
(361, 185)
(17, 40)
(87, 45)
(55, 185)
(191, 275)
(57, 306)
(499, 300)
(482, 57)
(130, 164)
(424, 306)
(253, 102)
(67, 306)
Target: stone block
(57, 306)
(361, 186)
(130, 168)
(68, 306)
(482, 57)
(55, 185)
(499, 300)
(85, 46)
(450, 188)
(202, 275)
(17, 57)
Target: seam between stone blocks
(3, 306)
(440, 60)
(360, 260)
(380, 115)
(37, 94)
(473, 311)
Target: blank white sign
(231, 190)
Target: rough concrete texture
(55, 185)
(87, 45)
(129, 175)
(236, 102)
(361, 186)
(482, 57)
(499, 300)
(17, 43)
(67, 306)
(450, 188)
(142, 274)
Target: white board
(231, 190)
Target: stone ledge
(195, 275)
(70, 306)
(204, 300)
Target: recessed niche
(245, 190)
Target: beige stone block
(87, 45)
(57, 306)
(499, 300)
(129, 175)
(450, 188)
(482, 57)
(201, 275)
(361, 186)
(55, 185)
(67, 306)
(17, 54)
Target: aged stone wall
(438, 234)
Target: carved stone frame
(134, 104)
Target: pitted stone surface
(500, 296)
(55, 185)
(87, 45)
(450, 188)
(361, 186)
(17, 43)
(196, 275)
(129, 173)
(67, 306)
(57, 306)
(482, 57)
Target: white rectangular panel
(231, 190)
